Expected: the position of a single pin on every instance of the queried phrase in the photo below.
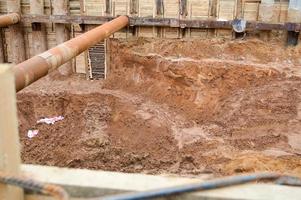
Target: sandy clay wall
(191, 107)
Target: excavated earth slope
(172, 106)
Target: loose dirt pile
(170, 106)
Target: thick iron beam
(161, 22)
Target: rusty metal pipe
(44, 188)
(38, 66)
(9, 19)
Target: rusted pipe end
(9, 19)
(15, 17)
(126, 18)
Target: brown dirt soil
(172, 106)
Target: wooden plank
(96, 7)
(91, 183)
(198, 9)
(250, 11)
(252, 192)
(62, 31)
(159, 8)
(226, 11)
(16, 39)
(147, 8)
(283, 11)
(294, 15)
(39, 44)
(10, 159)
(82, 7)
(213, 15)
(65, 19)
(198, 33)
(266, 12)
(2, 49)
(108, 9)
(171, 10)
(74, 7)
(134, 7)
(239, 9)
(245, 192)
(82, 183)
(107, 52)
(213, 8)
(80, 61)
(41, 197)
(183, 9)
(172, 33)
(120, 7)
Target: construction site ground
(185, 107)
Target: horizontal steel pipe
(38, 66)
(9, 19)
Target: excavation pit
(185, 107)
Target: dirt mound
(185, 107)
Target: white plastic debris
(51, 120)
(32, 133)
